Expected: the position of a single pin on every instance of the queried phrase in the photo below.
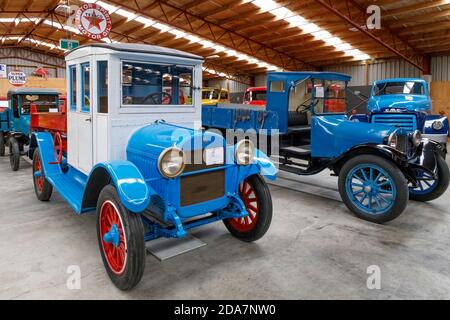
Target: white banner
(3, 73)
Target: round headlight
(245, 152)
(393, 140)
(171, 162)
(438, 125)
(417, 138)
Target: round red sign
(17, 78)
(93, 21)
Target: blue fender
(262, 165)
(44, 141)
(428, 125)
(133, 191)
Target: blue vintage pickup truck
(15, 119)
(406, 103)
(136, 155)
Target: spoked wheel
(257, 199)
(373, 188)
(2, 144)
(58, 147)
(14, 154)
(42, 187)
(121, 240)
(431, 187)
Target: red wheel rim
(116, 256)
(39, 179)
(248, 196)
(58, 147)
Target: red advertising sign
(93, 21)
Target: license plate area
(202, 187)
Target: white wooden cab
(114, 89)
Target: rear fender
(133, 191)
(44, 141)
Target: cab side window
(73, 87)
(86, 87)
(15, 104)
(277, 86)
(224, 95)
(102, 86)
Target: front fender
(425, 157)
(377, 149)
(262, 165)
(132, 189)
(438, 135)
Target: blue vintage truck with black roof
(379, 166)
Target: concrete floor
(315, 249)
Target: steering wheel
(305, 106)
(158, 98)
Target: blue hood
(152, 139)
(403, 102)
(334, 135)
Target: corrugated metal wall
(377, 71)
(27, 61)
(392, 69)
(357, 72)
(440, 68)
(261, 80)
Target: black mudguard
(425, 156)
(385, 151)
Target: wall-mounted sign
(17, 78)
(3, 73)
(68, 44)
(93, 21)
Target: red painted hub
(40, 179)
(116, 256)
(248, 196)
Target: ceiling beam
(409, 54)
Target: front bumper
(439, 138)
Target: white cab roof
(101, 48)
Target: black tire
(2, 144)
(241, 229)
(442, 183)
(134, 244)
(400, 197)
(14, 154)
(42, 187)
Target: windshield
(259, 96)
(151, 84)
(43, 103)
(330, 96)
(210, 94)
(409, 87)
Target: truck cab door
(327, 115)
